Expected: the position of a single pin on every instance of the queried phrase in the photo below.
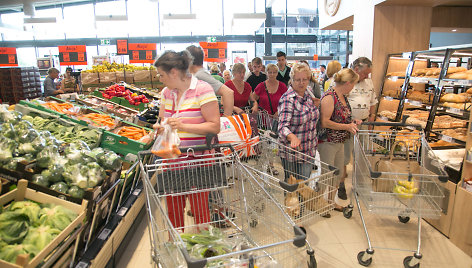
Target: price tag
(148, 55)
(142, 52)
(416, 103)
(462, 83)
(383, 118)
(66, 56)
(411, 128)
(104, 234)
(8, 56)
(137, 192)
(122, 211)
(73, 55)
(81, 56)
(81, 265)
(11, 59)
(388, 98)
(446, 138)
(454, 111)
(135, 55)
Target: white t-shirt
(361, 98)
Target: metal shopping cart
(244, 233)
(395, 172)
(303, 185)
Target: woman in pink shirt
(271, 89)
(242, 90)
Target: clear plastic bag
(167, 143)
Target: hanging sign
(122, 47)
(8, 56)
(142, 52)
(214, 52)
(73, 55)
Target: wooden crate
(23, 192)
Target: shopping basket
(244, 232)
(412, 186)
(303, 185)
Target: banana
(403, 191)
(407, 184)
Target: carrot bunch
(99, 119)
(58, 107)
(133, 133)
(167, 151)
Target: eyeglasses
(304, 80)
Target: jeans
(300, 170)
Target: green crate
(123, 145)
(40, 107)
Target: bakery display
(457, 98)
(457, 133)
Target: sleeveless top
(342, 115)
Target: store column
(268, 32)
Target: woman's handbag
(275, 123)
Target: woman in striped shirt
(192, 109)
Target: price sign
(389, 98)
(214, 51)
(454, 111)
(73, 55)
(446, 138)
(462, 83)
(416, 103)
(122, 47)
(142, 52)
(8, 56)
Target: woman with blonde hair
(337, 124)
(242, 90)
(333, 67)
(268, 93)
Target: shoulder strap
(268, 95)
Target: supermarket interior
(249, 133)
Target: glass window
(301, 7)
(16, 20)
(240, 53)
(175, 27)
(111, 8)
(49, 30)
(104, 50)
(241, 6)
(47, 51)
(143, 12)
(91, 51)
(26, 56)
(276, 47)
(79, 21)
(209, 17)
(111, 28)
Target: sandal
(340, 209)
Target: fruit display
(405, 189)
(120, 91)
(27, 227)
(117, 67)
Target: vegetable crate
(116, 109)
(99, 94)
(64, 238)
(236, 222)
(123, 145)
(141, 107)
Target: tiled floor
(338, 240)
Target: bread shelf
(448, 138)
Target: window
(49, 30)
(209, 17)
(79, 21)
(241, 6)
(142, 18)
(26, 56)
(15, 19)
(112, 28)
(175, 27)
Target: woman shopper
(268, 93)
(191, 107)
(298, 116)
(242, 90)
(337, 124)
(333, 67)
(68, 83)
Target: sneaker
(342, 192)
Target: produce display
(133, 133)
(27, 227)
(112, 107)
(150, 115)
(99, 120)
(120, 91)
(59, 107)
(116, 67)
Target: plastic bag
(167, 144)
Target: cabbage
(31, 209)
(60, 187)
(110, 160)
(76, 191)
(13, 226)
(41, 236)
(40, 180)
(10, 252)
(56, 217)
(28, 135)
(47, 156)
(95, 174)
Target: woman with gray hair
(242, 90)
(50, 87)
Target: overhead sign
(215, 52)
(73, 55)
(122, 47)
(8, 56)
(104, 42)
(142, 52)
(315, 57)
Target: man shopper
(50, 87)
(256, 76)
(284, 71)
(322, 77)
(227, 95)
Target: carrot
(132, 132)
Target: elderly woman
(242, 90)
(269, 92)
(298, 116)
(192, 109)
(226, 75)
(337, 123)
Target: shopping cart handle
(336, 171)
(394, 124)
(300, 237)
(192, 262)
(288, 187)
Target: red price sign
(65, 57)
(222, 53)
(11, 59)
(214, 51)
(122, 47)
(80, 56)
(205, 51)
(148, 54)
(135, 55)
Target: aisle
(338, 240)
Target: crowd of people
(315, 116)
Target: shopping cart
(238, 231)
(303, 185)
(378, 181)
(267, 122)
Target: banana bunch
(405, 189)
(117, 67)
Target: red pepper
(145, 101)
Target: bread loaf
(451, 97)
(469, 90)
(461, 75)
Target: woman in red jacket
(242, 90)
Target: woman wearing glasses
(298, 116)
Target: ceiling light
(180, 16)
(247, 21)
(171, 22)
(40, 20)
(454, 30)
(111, 17)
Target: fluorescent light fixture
(39, 20)
(247, 21)
(186, 17)
(172, 22)
(111, 17)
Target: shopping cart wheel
(403, 219)
(407, 261)
(312, 262)
(347, 212)
(360, 257)
(253, 223)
